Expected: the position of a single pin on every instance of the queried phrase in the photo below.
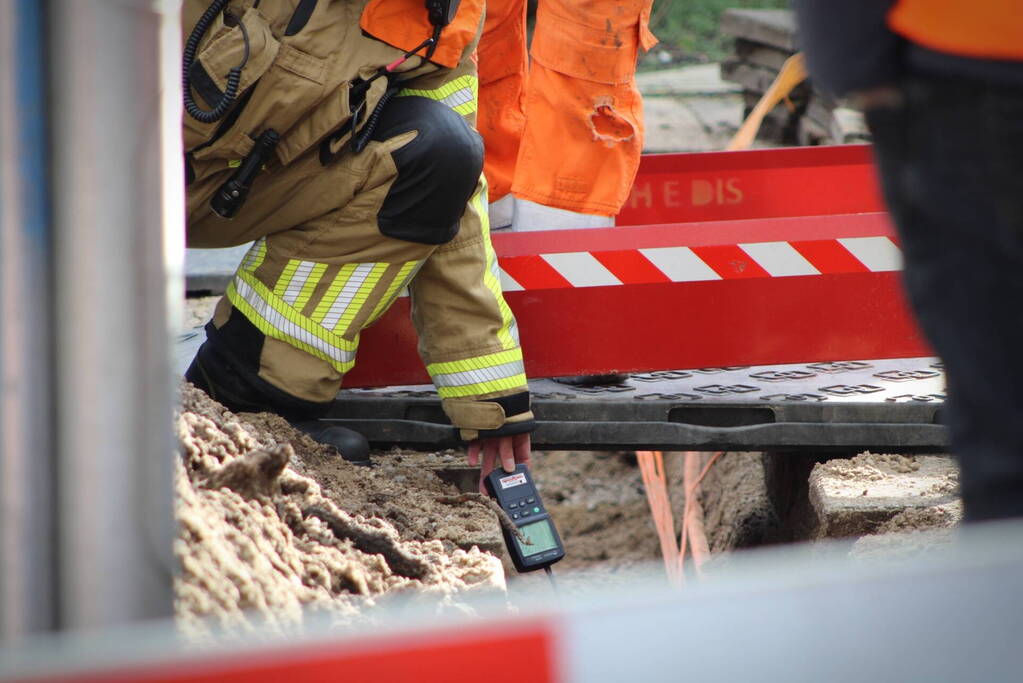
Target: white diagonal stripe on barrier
(581, 269)
(779, 259)
(680, 264)
(508, 283)
(878, 254)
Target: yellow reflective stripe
(400, 280)
(255, 255)
(360, 298)
(507, 335)
(285, 279)
(476, 363)
(503, 384)
(282, 308)
(277, 320)
(332, 293)
(474, 377)
(460, 94)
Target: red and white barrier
(700, 264)
(729, 293)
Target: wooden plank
(757, 79)
(759, 54)
(773, 27)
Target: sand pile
(869, 466)
(274, 526)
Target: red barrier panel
(450, 655)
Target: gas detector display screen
(541, 534)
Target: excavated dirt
(870, 466)
(738, 511)
(599, 505)
(273, 525)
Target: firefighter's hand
(499, 450)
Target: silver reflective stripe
(467, 377)
(298, 281)
(459, 97)
(254, 256)
(347, 295)
(513, 328)
(285, 326)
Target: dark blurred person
(941, 83)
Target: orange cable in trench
(655, 481)
(651, 466)
(690, 527)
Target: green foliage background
(689, 29)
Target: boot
(226, 377)
(352, 446)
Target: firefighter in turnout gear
(337, 136)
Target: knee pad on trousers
(437, 171)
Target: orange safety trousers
(570, 133)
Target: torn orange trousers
(570, 134)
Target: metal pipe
(118, 231)
(27, 539)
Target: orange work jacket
(985, 29)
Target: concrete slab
(773, 27)
(691, 124)
(209, 270)
(697, 79)
(671, 126)
(857, 496)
